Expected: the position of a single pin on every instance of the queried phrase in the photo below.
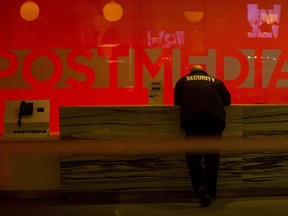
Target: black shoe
(204, 198)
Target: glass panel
(73, 55)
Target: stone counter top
(123, 122)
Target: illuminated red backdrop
(72, 55)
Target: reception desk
(138, 153)
(141, 149)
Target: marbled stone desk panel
(265, 168)
(234, 122)
(124, 173)
(133, 172)
(269, 120)
(120, 122)
(155, 172)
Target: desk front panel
(265, 168)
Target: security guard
(202, 99)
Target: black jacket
(199, 94)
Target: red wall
(63, 55)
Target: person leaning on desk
(202, 99)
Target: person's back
(200, 95)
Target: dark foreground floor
(254, 206)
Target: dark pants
(204, 174)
